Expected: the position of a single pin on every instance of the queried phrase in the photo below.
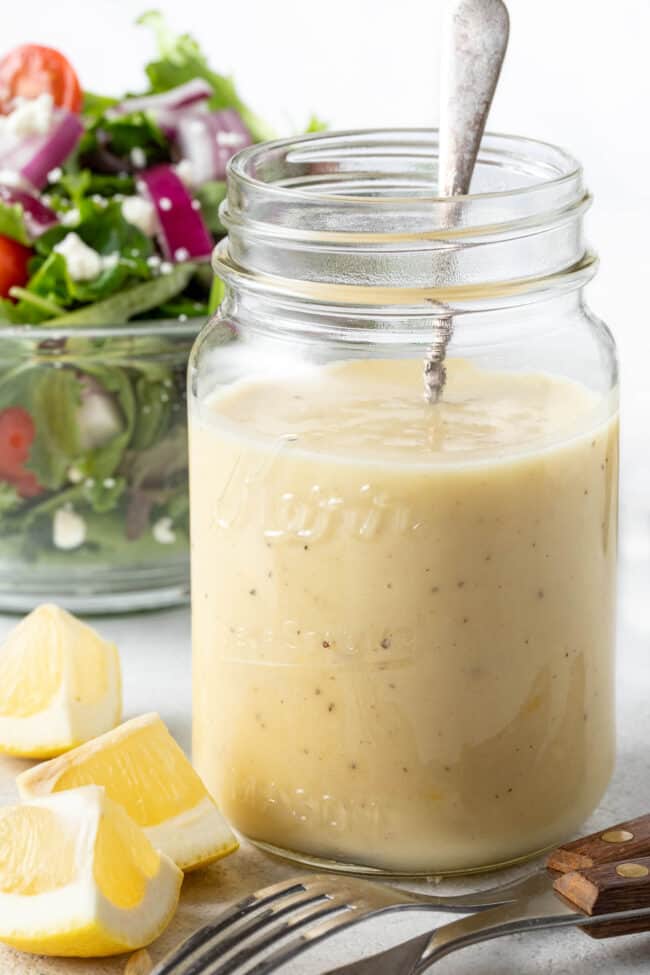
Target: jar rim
(156, 327)
(556, 159)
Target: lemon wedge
(60, 685)
(141, 767)
(79, 878)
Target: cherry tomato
(13, 264)
(17, 432)
(31, 70)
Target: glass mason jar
(403, 613)
(93, 466)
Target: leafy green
(316, 124)
(104, 495)
(76, 185)
(48, 286)
(153, 412)
(12, 222)
(56, 401)
(97, 104)
(210, 196)
(39, 304)
(103, 461)
(132, 301)
(51, 289)
(181, 59)
(9, 498)
(116, 137)
(217, 292)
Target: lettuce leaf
(180, 59)
(12, 222)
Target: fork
(315, 906)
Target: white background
(577, 73)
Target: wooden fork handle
(624, 841)
(607, 888)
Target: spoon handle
(475, 41)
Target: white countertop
(155, 651)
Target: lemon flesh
(60, 685)
(141, 767)
(79, 878)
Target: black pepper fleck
(317, 691)
(331, 706)
(326, 644)
(385, 643)
(540, 593)
(252, 592)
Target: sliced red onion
(38, 218)
(55, 148)
(209, 140)
(34, 156)
(183, 233)
(190, 93)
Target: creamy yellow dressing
(403, 615)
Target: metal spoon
(474, 46)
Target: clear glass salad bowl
(93, 466)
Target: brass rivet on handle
(617, 836)
(632, 870)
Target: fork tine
(307, 939)
(313, 913)
(215, 947)
(229, 917)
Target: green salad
(109, 210)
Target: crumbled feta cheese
(181, 254)
(185, 172)
(141, 213)
(100, 200)
(163, 531)
(182, 317)
(109, 482)
(99, 419)
(84, 263)
(138, 157)
(196, 204)
(71, 217)
(166, 267)
(154, 261)
(75, 476)
(55, 175)
(165, 203)
(68, 529)
(31, 116)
